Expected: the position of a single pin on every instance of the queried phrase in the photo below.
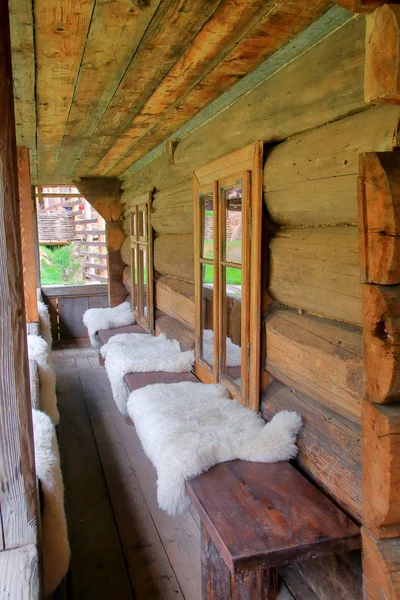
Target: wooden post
(379, 222)
(27, 216)
(19, 508)
(115, 237)
(218, 583)
(382, 54)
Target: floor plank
(160, 555)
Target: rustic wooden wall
(314, 122)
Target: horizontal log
(90, 231)
(127, 279)
(331, 88)
(84, 243)
(379, 204)
(174, 255)
(96, 277)
(176, 298)
(381, 563)
(93, 254)
(90, 265)
(311, 179)
(318, 270)
(126, 251)
(382, 55)
(318, 357)
(175, 330)
(64, 204)
(329, 446)
(172, 210)
(57, 291)
(381, 316)
(381, 469)
(85, 221)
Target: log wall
(314, 122)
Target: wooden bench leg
(101, 360)
(218, 583)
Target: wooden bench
(106, 334)
(256, 517)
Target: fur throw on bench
(44, 323)
(39, 352)
(56, 552)
(141, 353)
(107, 318)
(186, 428)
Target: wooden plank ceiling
(100, 83)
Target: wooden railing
(67, 303)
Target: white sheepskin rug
(141, 353)
(44, 323)
(39, 351)
(233, 351)
(107, 318)
(56, 552)
(186, 428)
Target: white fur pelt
(233, 351)
(56, 552)
(107, 318)
(186, 428)
(39, 351)
(141, 353)
(44, 323)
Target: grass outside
(60, 265)
(233, 276)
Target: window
(142, 262)
(228, 217)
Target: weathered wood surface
(381, 562)
(27, 215)
(104, 194)
(127, 279)
(19, 573)
(172, 210)
(318, 357)
(381, 312)
(115, 237)
(175, 330)
(382, 54)
(381, 469)
(329, 446)
(134, 381)
(327, 578)
(327, 88)
(318, 270)
(361, 6)
(262, 527)
(19, 509)
(218, 583)
(311, 179)
(106, 334)
(92, 289)
(126, 249)
(379, 210)
(243, 34)
(173, 255)
(176, 298)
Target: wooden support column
(382, 55)
(379, 221)
(218, 583)
(28, 224)
(18, 508)
(115, 237)
(104, 194)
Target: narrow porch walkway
(123, 546)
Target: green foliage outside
(233, 276)
(60, 264)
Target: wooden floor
(123, 546)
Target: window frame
(142, 241)
(245, 164)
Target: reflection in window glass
(133, 223)
(207, 225)
(231, 354)
(134, 280)
(206, 315)
(143, 290)
(142, 223)
(232, 247)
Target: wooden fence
(64, 216)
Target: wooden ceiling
(100, 83)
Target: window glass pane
(142, 223)
(207, 225)
(133, 222)
(232, 244)
(206, 315)
(134, 280)
(231, 355)
(143, 283)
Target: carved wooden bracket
(104, 194)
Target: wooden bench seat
(134, 381)
(106, 334)
(256, 517)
